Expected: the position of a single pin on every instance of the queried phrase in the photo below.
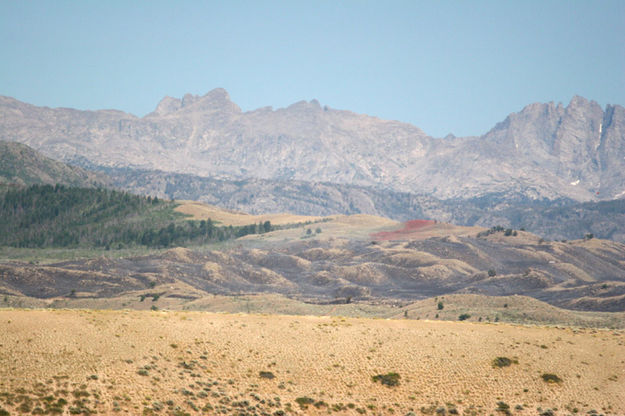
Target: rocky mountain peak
(213, 101)
(166, 106)
(218, 94)
(582, 109)
(581, 102)
(305, 106)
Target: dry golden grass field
(175, 363)
(202, 211)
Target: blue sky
(444, 66)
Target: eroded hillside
(319, 263)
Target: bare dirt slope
(176, 362)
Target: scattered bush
(503, 407)
(551, 378)
(319, 404)
(492, 230)
(464, 317)
(25, 407)
(304, 402)
(503, 362)
(266, 374)
(388, 379)
(440, 306)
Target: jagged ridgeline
(58, 216)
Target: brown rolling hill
(341, 259)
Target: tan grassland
(352, 226)
(201, 211)
(340, 227)
(155, 362)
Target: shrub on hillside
(388, 379)
(551, 378)
(503, 362)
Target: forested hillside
(59, 216)
(21, 165)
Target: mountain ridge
(544, 151)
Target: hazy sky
(444, 66)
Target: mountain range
(545, 151)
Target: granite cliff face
(544, 151)
(581, 144)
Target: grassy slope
(167, 362)
(505, 309)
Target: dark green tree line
(58, 216)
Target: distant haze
(456, 67)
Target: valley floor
(157, 362)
